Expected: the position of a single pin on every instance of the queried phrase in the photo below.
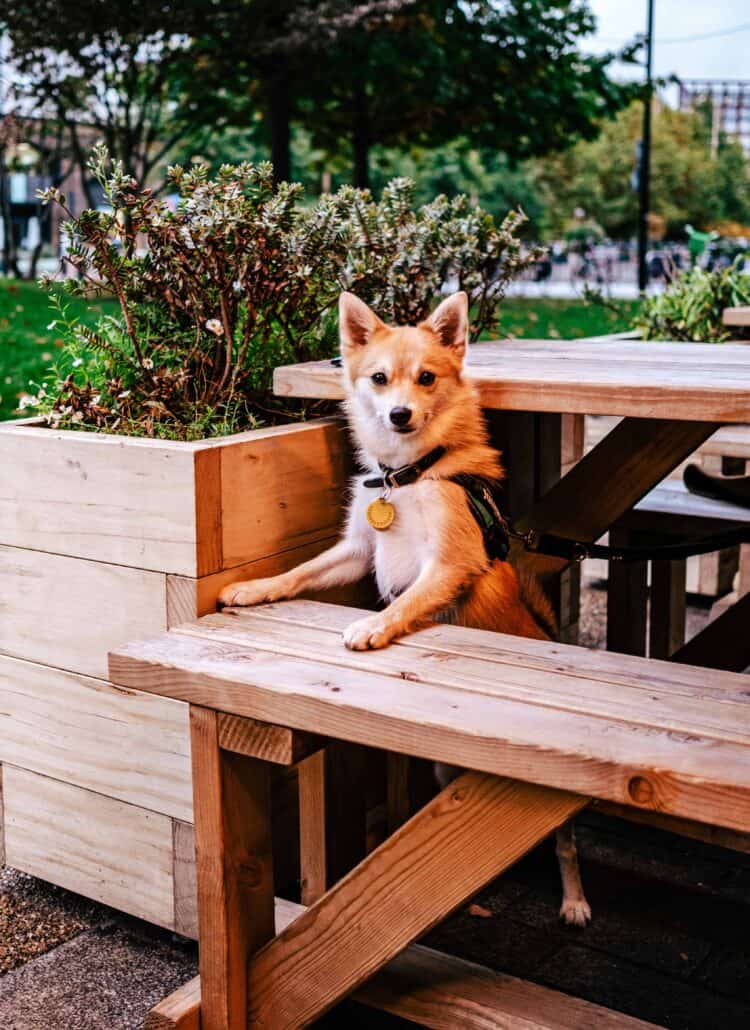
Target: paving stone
(630, 988)
(107, 978)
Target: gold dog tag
(380, 513)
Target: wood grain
(208, 510)
(124, 501)
(185, 886)
(68, 612)
(716, 835)
(311, 778)
(723, 643)
(277, 744)
(667, 618)
(642, 451)
(234, 869)
(57, 832)
(441, 992)
(439, 696)
(699, 382)
(131, 746)
(405, 886)
(282, 489)
(2, 821)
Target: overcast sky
(725, 55)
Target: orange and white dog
(419, 430)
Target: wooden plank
(187, 599)
(678, 698)
(346, 769)
(234, 869)
(2, 821)
(667, 613)
(672, 509)
(123, 743)
(723, 643)
(642, 451)
(716, 835)
(65, 835)
(181, 1010)
(185, 886)
(627, 599)
(729, 442)
(277, 744)
(208, 509)
(398, 790)
(443, 992)
(398, 892)
(636, 379)
(312, 827)
(283, 490)
(68, 612)
(124, 501)
(699, 774)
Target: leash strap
(577, 550)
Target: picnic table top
(685, 381)
(625, 729)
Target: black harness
(482, 497)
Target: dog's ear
(357, 322)
(450, 320)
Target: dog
(419, 430)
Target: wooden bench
(546, 727)
(667, 514)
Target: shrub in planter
(691, 307)
(240, 277)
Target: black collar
(407, 474)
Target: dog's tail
(536, 601)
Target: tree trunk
(9, 262)
(361, 137)
(279, 114)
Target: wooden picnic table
(672, 397)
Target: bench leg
(234, 869)
(627, 594)
(312, 827)
(667, 611)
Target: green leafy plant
(692, 306)
(239, 277)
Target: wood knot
(641, 790)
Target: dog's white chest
(402, 549)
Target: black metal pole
(644, 172)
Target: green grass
(541, 319)
(27, 346)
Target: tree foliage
(687, 183)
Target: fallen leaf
(479, 911)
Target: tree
(687, 184)
(507, 76)
(111, 71)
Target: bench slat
(702, 774)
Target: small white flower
(42, 393)
(123, 393)
(77, 362)
(214, 326)
(77, 416)
(25, 401)
(96, 398)
(148, 363)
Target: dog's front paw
(575, 912)
(249, 592)
(368, 634)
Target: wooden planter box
(105, 539)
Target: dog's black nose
(400, 416)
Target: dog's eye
(426, 378)
(379, 378)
